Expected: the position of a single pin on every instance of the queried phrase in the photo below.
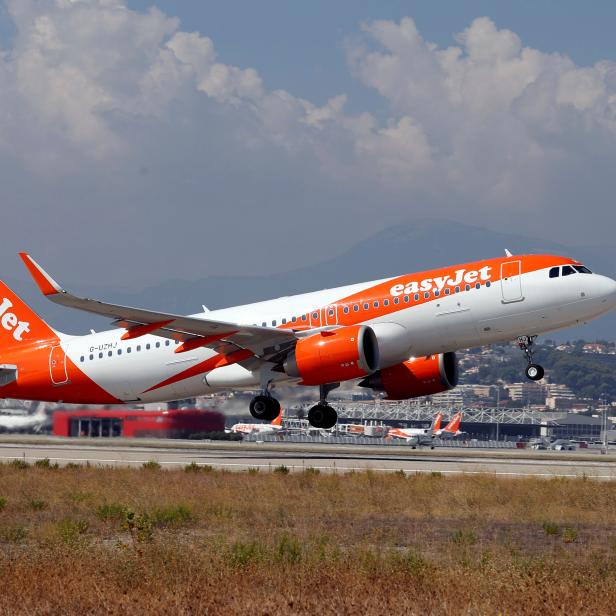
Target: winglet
(44, 281)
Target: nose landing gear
(533, 371)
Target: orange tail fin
(19, 324)
(438, 418)
(454, 424)
(278, 420)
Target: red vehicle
(133, 423)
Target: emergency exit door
(57, 365)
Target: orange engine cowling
(334, 355)
(418, 376)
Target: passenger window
(315, 315)
(366, 306)
(488, 283)
(167, 343)
(82, 358)
(128, 350)
(554, 272)
(331, 312)
(110, 353)
(284, 321)
(119, 351)
(147, 346)
(407, 299)
(346, 310)
(100, 356)
(468, 287)
(457, 289)
(274, 323)
(396, 300)
(356, 308)
(264, 324)
(138, 347)
(91, 357)
(416, 298)
(385, 302)
(436, 293)
(158, 345)
(568, 270)
(304, 317)
(376, 304)
(426, 295)
(294, 320)
(477, 285)
(447, 291)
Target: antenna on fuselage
(507, 253)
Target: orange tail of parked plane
(454, 424)
(436, 424)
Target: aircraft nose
(606, 290)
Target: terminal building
(130, 423)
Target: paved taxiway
(327, 458)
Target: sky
(144, 140)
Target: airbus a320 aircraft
(398, 335)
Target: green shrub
(151, 465)
(282, 470)
(288, 550)
(111, 511)
(172, 516)
(15, 534)
(242, 553)
(311, 471)
(193, 467)
(46, 463)
(19, 463)
(139, 525)
(551, 528)
(71, 530)
(2, 503)
(570, 534)
(37, 504)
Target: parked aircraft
(24, 423)
(398, 335)
(418, 436)
(452, 429)
(251, 428)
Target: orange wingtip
(44, 281)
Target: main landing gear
(322, 415)
(265, 406)
(533, 371)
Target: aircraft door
(511, 282)
(57, 365)
(330, 315)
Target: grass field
(196, 541)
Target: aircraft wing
(267, 343)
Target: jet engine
(418, 376)
(334, 355)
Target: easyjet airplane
(398, 335)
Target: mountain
(412, 246)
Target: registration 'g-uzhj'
(398, 335)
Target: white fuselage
(538, 304)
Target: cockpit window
(582, 269)
(568, 270)
(554, 272)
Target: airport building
(130, 423)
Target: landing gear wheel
(534, 372)
(322, 416)
(264, 407)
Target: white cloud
(486, 129)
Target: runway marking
(324, 468)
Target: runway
(298, 457)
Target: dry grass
(127, 541)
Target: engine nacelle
(334, 355)
(418, 376)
